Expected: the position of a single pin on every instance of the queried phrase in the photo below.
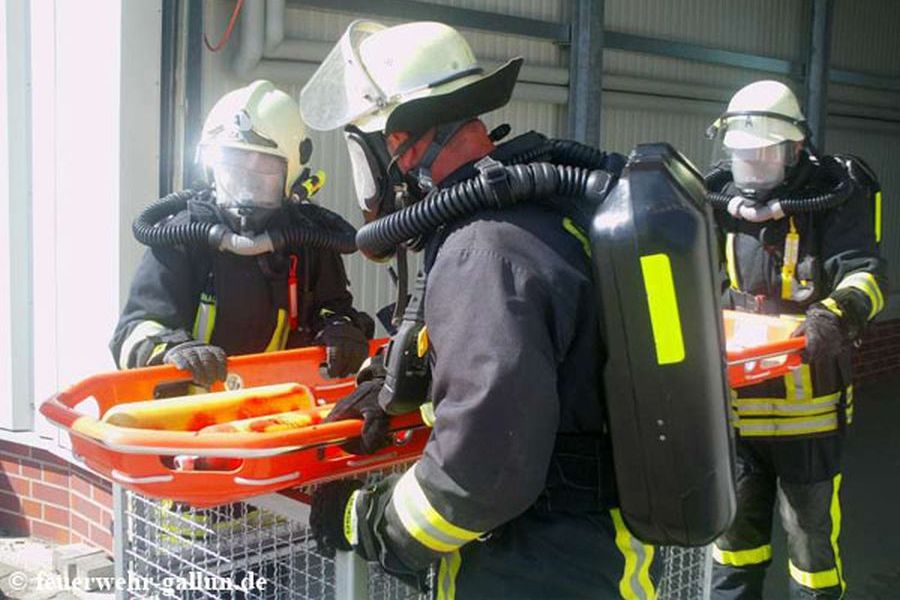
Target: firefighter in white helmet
(513, 495)
(247, 264)
(800, 235)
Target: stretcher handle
(218, 444)
(779, 348)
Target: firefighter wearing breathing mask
(800, 234)
(513, 495)
(261, 286)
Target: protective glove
(825, 334)
(326, 516)
(346, 347)
(363, 404)
(205, 361)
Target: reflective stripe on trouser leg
(811, 514)
(635, 582)
(742, 558)
(447, 572)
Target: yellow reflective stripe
(278, 336)
(662, 303)
(763, 407)
(836, 528)
(831, 305)
(141, 332)
(816, 580)
(422, 342)
(865, 282)
(157, 350)
(351, 525)
(742, 558)
(426, 411)
(449, 569)
(878, 216)
(570, 226)
(635, 583)
(205, 319)
(789, 264)
(420, 519)
(787, 426)
(798, 383)
(730, 263)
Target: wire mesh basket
(242, 552)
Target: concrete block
(91, 568)
(64, 557)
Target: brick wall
(879, 354)
(46, 497)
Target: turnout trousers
(804, 476)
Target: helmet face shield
(761, 169)
(341, 90)
(249, 185)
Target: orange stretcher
(206, 461)
(245, 463)
(760, 347)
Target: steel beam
(412, 10)
(193, 114)
(586, 71)
(817, 72)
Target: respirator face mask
(757, 171)
(376, 176)
(249, 187)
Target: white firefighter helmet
(257, 118)
(404, 78)
(761, 114)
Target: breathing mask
(249, 186)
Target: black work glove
(326, 516)
(205, 361)
(346, 347)
(362, 403)
(825, 334)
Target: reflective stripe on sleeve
(141, 332)
(422, 521)
(865, 283)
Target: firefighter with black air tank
(800, 237)
(513, 495)
(246, 265)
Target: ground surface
(870, 534)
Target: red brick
(9, 464)
(81, 486)
(31, 469)
(56, 476)
(46, 531)
(13, 523)
(56, 516)
(102, 538)
(80, 525)
(17, 485)
(85, 508)
(102, 497)
(32, 509)
(13, 448)
(106, 519)
(10, 502)
(49, 494)
(48, 457)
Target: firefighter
(512, 497)
(191, 305)
(799, 237)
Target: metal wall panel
(865, 36)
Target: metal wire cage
(244, 552)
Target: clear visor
(364, 179)
(341, 91)
(246, 179)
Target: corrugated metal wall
(646, 98)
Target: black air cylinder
(666, 387)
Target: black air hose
(323, 229)
(570, 152)
(843, 190)
(496, 187)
